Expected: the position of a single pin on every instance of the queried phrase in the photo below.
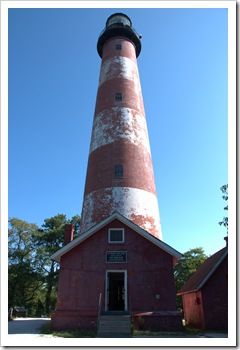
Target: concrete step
(114, 335)
(113, 329)
(114, 326)
(104, 326)
(118, 313)
(116, 323)
(115, 317)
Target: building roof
(81, 238)
(204, 272)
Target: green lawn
(186, 333)
(47, 329)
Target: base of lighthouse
(116, 267)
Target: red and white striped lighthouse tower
(120, 172)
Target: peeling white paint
(128, 201)
(120, 67)
(87, 213)
(119, 123)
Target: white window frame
(125, 288)
(117, 242)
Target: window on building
(118, 96)
(116, 235)
(118, 46)
(118, 171)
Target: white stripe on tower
(124, 123)
(133, 203)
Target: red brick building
(119, 262)
(131, 270)
(205, 294)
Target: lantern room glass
(118, 19)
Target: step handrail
(99, 309)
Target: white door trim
(125, 288)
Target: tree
(49, 239)
(186, 266)
(32, 274)
(224, 221)
(24, 279)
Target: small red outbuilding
(205, 294)
(125, 268)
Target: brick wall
(150, 282)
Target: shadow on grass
(185, 333)
(158, 334)
(71, 333)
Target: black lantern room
(119, 24)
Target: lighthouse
(117, 274)
(120, 171)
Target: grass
(158, 334)
(185, 333)
(76, 333)
(71, 333)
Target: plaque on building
(117, 256)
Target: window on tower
(118, 46)
(118, 96)
(118, 171)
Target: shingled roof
(204, 272)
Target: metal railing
(99, 309)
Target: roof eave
(188, 292)
(201, 284)
(57, 255)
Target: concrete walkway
(27, 326)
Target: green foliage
(224, 221)
(32, 274)
(186, 266)
(24, 279)
(49, 239)
(20, 236)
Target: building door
(116, 291)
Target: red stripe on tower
(120, 172)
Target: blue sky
(53, 78)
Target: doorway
(116, 290)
